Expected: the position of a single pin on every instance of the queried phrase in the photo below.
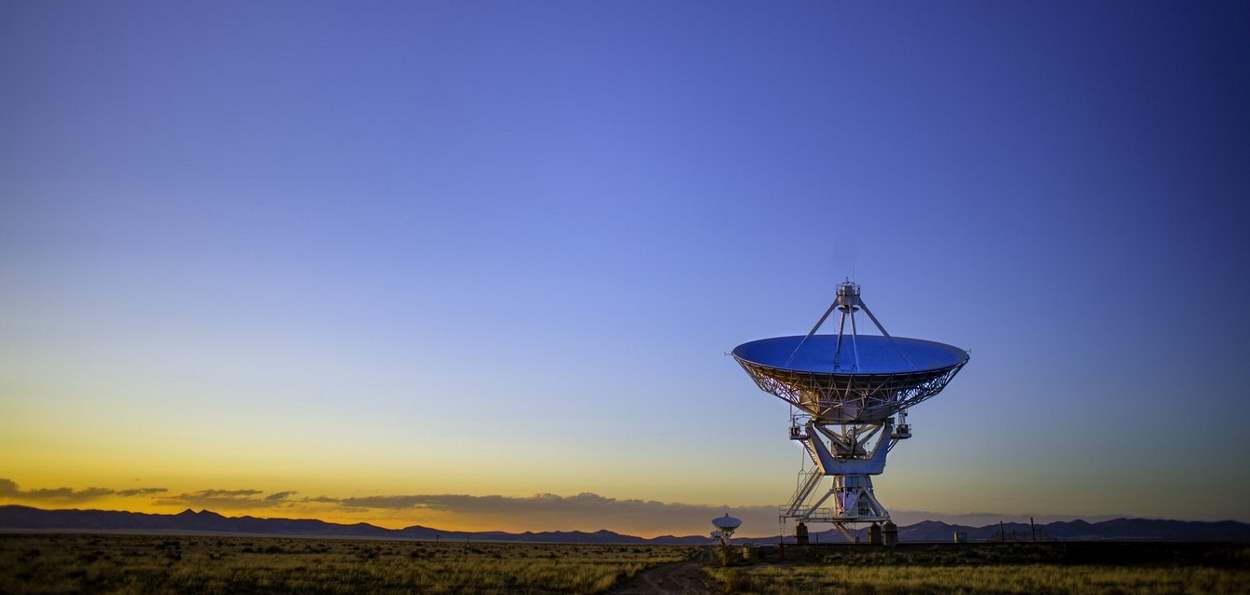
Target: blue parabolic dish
(865, 354)
(874, 376)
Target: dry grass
(1002, 578)
(186, 564)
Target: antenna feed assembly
(848, 297)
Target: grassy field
(46, 563)
(1004, 578)
(1075, 568)
(198, 564)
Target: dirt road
(685, 578)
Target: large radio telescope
(847, 390)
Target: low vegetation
(198, 564)
(1077, 567)
(48, 563)
(1003, 578)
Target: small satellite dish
(725, 527)
(726, 523)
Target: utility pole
(1033, 529)
(1002, 531)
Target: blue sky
(502, 248)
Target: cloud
(222, 499)
(593, 511)
(140, 492)
(227, 493)
(10, 489)
(227, 499)
(538, 503)
(585, 511)
(551, 511)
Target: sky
(479, 265)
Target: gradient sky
(384, 261)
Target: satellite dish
(848, 389)
(879, 377)
(726, 523)
(725, 527)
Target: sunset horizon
(716, 269)
(586, 512)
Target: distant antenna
(725, 527)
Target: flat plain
(100, 563)
(1073, 567)
(97, 563)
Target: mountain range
(25, 518)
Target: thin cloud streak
(538, 503)
(551, 511)
(228, 499)
(140, 492)
(10, 489)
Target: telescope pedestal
(840, 451)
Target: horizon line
(449, 532)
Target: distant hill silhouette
(13, 517)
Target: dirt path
(685, 578)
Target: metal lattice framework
(850, 398)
